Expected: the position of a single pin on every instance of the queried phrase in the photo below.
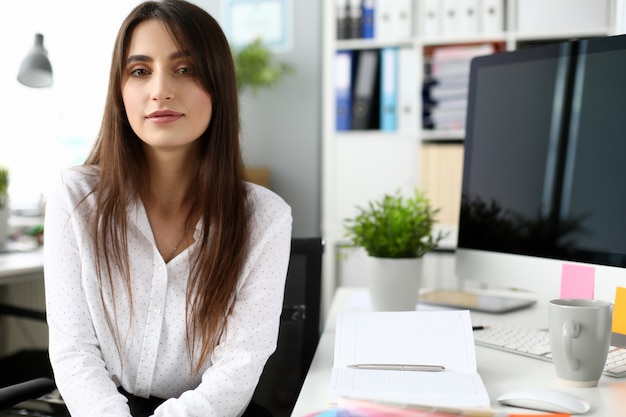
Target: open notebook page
(414, 337)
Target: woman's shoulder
(78, 181)
(266, 199)
(266, 203)
(270, 214)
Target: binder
(491, 18)
(431, 19)
(407, 107)
(468, 18)
(402, 18)
(383, 20)
(354, 19)
(364, 100)
(450, 18)
(343, 90)
(388, 88)
(394, 19)
(367, 19)
(341, 11)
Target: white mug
(580, 334)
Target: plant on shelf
(395, 227)
(257, 68)
(4, 204)
(4, 187)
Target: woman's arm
(79, 370)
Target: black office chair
(26, 374)
(299, 332)
(25, 364)
(284, 372)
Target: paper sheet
(577, 281)
(619, 311)
(416, 337)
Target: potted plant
(256, 67)
(4, 204)
(396, 232)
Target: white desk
(21, 285)
(21, 266)
(500, 371)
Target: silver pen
(398, 367)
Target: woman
(164, 268)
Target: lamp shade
(36, 70)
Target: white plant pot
(4, 224)
(394, 283)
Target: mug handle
(571, 330)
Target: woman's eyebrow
(138, 58)
(179, 55)
(145, 58)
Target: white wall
(44, 130)
(281, 128)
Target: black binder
(343, 21)
(365, 114)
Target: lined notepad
(412, 337)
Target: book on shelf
(342, 23)
(448, 19)
(448, 120)
(491, 17)
(437, 338)
(383, 20)
(355, 13)
(441, 175)
(367, 19)
(343, 90)
(388, 89)
(366, 91)
(408, 91)
(445, 86)
(377, 89)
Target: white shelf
(344, 175)
(442, 135)
(358, 44)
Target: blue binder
(343, 90)
(367, 19)
(389, 89)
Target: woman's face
(166, 105)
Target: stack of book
(446, 86)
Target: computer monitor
(544, 175)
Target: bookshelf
(361, 164)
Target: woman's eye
(138, 72)
(183, 70)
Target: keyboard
(535, 343)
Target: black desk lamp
(36, 70)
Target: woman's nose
(162, 89)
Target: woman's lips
(164, 116)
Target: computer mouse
(545, 400)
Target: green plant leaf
(395, 227)
(4, 186)
(257, 68)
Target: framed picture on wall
(271, 21)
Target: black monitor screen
(545, 152)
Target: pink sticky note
(577, 281)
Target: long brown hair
(219, 191)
